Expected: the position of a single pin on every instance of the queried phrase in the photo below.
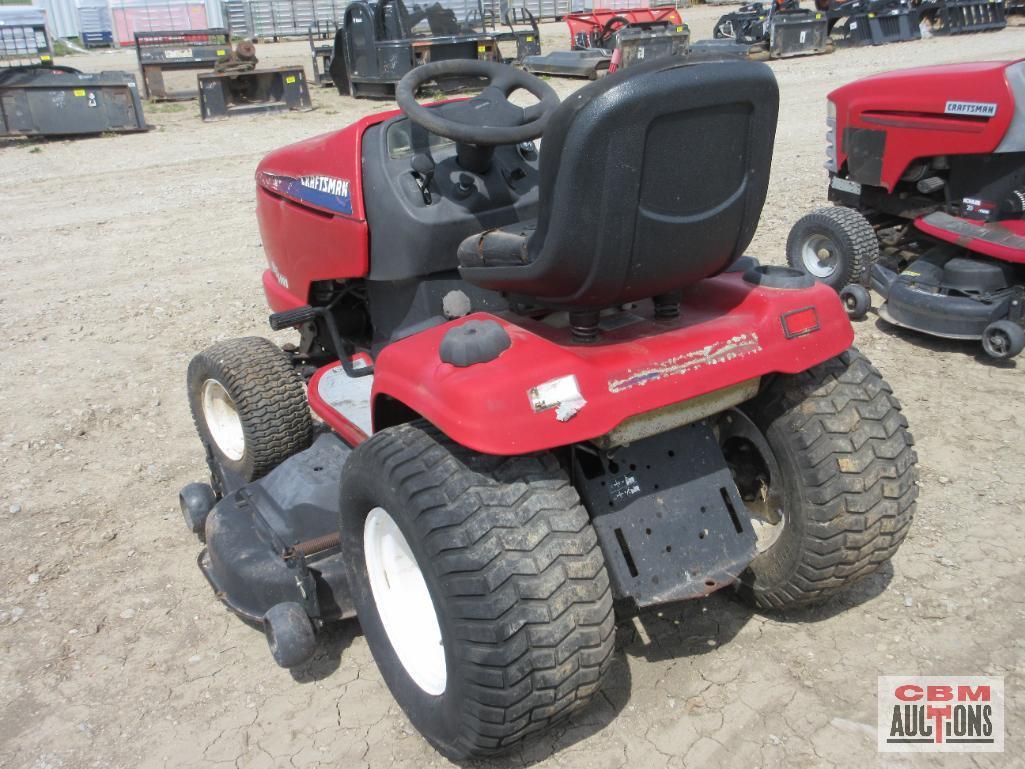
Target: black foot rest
(282, 320)
(991, 232)
(502, 247)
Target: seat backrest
(651, 179)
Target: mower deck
(275, 540)
(930, 296)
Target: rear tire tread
(525, 577)
(858, 475)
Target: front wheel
(831, 487)
(479, 584)
(249, 405)
(835, 245)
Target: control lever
(423, 172)
(466, 186)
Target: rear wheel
(832, 486)
(249, 405)
(479, 584)
(835, 245)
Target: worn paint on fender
(709, 355)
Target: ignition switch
(467, 186)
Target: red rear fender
(544, 392)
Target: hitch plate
(668, 515)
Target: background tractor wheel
(835, 245)
(479, 584)
(844, 485)
(249, 405)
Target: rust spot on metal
(317, 544)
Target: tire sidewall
(437, 717)
(776, 566)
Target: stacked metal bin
(96, 30)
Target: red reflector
(800, 322)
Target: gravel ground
(122, 256)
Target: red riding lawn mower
(585, 401)
(927, 171)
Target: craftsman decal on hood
(972, 108)
(709, 355)
(324, 192)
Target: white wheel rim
(223, 420)
(819, 256)
(767, 533)
(404, 603)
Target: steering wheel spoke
(504, 82)
(488, 119)
(533, 112)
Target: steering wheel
(488, 119)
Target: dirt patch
(122, 256)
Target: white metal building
(257, 17)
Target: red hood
(927, 111)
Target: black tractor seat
(650, 180)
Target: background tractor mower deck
(927, 174)
(664, 417)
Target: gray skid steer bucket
(44, 101)
(798, 33)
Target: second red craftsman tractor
(927, 171)
(584, 400)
